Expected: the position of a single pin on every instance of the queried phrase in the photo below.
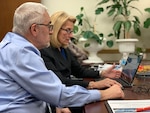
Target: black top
(64, 67)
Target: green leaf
(82, 8)
(128, 13)
(120, 10)
(101, 35)
(88, 34)
(127, 26)
(110, 34)
(117, 28)
(138, 50)
(79, 18)
(111, 12)
(137, 29)
(103, 2)
(75, 29)
(137, 19)
(96, 37)
(147, 23)
(99, 10)
(86, 44)
(91, 35)
(114, 8)
(131, 1)
(147, 10)
(110, 43)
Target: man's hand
(114, 92)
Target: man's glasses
(67, 30)
(49, 25)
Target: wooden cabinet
(7, 8)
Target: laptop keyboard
(124, 84)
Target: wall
(7, 9)
(73, 7)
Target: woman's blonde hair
(58, 19)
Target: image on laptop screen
(130, 68)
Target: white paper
(128, 104)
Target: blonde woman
(60, 59)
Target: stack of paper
(128, 106)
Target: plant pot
(92, 50)
(126, 46)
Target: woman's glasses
(69, 31)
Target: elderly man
(26, 84)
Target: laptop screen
(130, 68)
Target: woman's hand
(111, 72)
(105, 83)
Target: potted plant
(87, 30)
(124, 20)
(93, 40)
(146, 25)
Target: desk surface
(99, 107)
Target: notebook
(129, 70)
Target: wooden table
(99, 107)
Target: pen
(142, 109)
(117, 66)
(119, 110)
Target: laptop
(129, 70)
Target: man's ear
(33, 29)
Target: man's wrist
(91, 85)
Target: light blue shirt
(26, 84)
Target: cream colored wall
(103, 23)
